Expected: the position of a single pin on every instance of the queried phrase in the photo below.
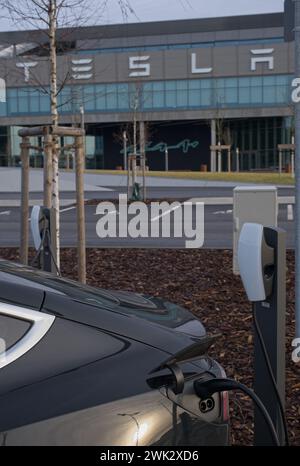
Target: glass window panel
(44, 103)
(206, 97)
(12, 93)
(66, 93)
(23, 103)
(170, 85)
(182, 98)
(194, 98)
(3, 109)
(90, 145)
(88, 90)
(23, 92)
(194, 84)
(147, 100)
(205, 83)
(99, 145)
(263, 130)
(147, 86)
(256, 95)
(158, 86)
(283, 80)
(158, 99)
(135, 100)
(269, 95)
(171, 99)
(231, 82)
(255, 130)
(100, 89)
(89, 102)
(282, 94)
(219, 96)
(73, 107)
(182, 85)
(231, 95)
(256, 81)
(122, 87)
(271, 134)
(220, 82)
(246, 135)
(35, 104)
(67, 99)
(100, 101)
(269, 80)
(123, 100)
(244, 82)
(12, 105)
(244, 95)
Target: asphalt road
(218, 225)
(218, 228)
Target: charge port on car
(207, 405)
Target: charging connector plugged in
(206, 388)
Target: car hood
(157, 310)
(151, 320)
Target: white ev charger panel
(252, 204)
(250, 260)
(35, 226)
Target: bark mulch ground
(202, 281)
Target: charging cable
(205, 389)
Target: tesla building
(190, 83)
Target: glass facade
(10, 143)
(154, 95)
(257, 140)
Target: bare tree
(48, 16)
(137, 131)
(223, 134)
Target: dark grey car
(86, 366)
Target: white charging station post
(262, 263)
(272, 322)
(257, 204)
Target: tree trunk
(134, 133)
(24, 200)
(54, 122)
(80, 158)
(47, 170)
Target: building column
(213, 143)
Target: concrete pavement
(10, 181)
(107, 186)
